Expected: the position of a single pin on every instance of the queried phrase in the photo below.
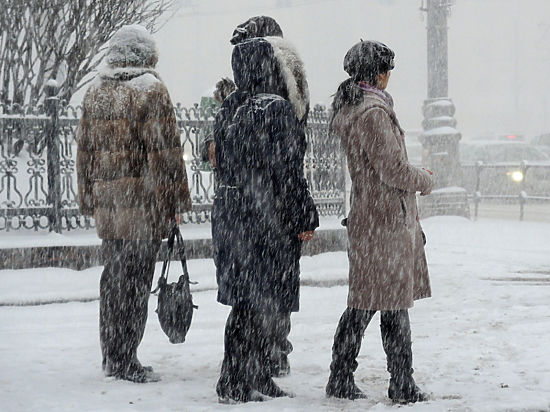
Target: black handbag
(175, 302)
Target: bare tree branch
(38, 38)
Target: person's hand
(305, 236)
(178, 218)
(428, 190)
(212, 154)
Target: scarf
(384, 95)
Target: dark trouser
(249, 336)
(281, 346)
(124, 291)
(396, 340)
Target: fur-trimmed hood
(258, 26)
(271, 65)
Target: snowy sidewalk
(480, 344)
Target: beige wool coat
(388, 268)
(130, 168)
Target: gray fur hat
(132, 46)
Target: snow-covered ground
(482, 343)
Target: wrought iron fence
(38, 166)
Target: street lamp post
(440, 137)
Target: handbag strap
(175, 236)
(181, 251)
(166, 263)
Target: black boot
(234, 383)
(245, 370)
(347, 343)
(396, 339)
(269, 388)
(404, 390)
(343, 386)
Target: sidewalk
(480, 344)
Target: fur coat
(130, 168)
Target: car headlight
(516, 176)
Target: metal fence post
(51, 105)
(522, 194)
(522, 201)
(477, 193)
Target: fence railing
(38, 169)
(520, 183)
(38, 186)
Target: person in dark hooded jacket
(262, 210)
(258, 26)
(265, 26)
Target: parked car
(506, 168)
(542, 142)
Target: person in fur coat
(388, 268)
(262, 211)
(132, 180)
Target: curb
(83, 257)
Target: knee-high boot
(235, 380)
(346, 347)
(396, 339)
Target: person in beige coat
(132, 180)
(387, 263)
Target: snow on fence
(38, 187)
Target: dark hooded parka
(263, 201)
(257, 26)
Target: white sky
(499, 53)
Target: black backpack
(175, 302)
